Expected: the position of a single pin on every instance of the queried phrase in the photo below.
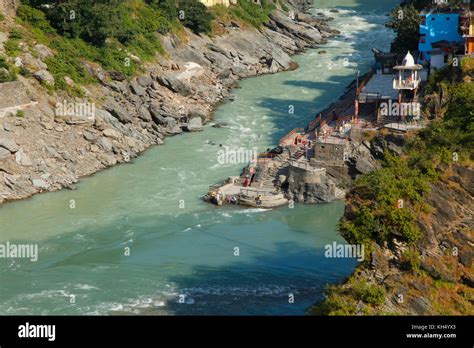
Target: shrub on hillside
(405, 21)
(253, 13)
(194, 15)
(7, 73)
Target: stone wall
(332, 154)
(8, 7)
(306, 186)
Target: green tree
(195, 16)
(167, 7)
(405, 21)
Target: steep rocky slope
(432, 277)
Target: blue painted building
(436, 27)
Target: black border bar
(194, 330)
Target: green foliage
(20, 113)
(411, 259)
(24, 71)
(342, 300)
(68, 61)
(455, 133)
(370, 294)
(2, 16)
(405, 21)
(336, 303)
(95, 37)
(98, 21)
(196, 16)
(7, 73)
(167, 7)
(421, 4)
(16, 34)
(375, 196)
(93, 22)
(253, 13)
(283, 6)
(375, 214)
(36, 18)
(12, 46)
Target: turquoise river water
(178, 244)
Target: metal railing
(306, 166)
(397, 84)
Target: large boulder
(4, 153)
(195, 124)
(117, 111)
(144, 114)
(173, 84)
(105, 143)
(9, 144)
(22, 159)
(40, 184)
(144, 81)
(137, 89)
(285, 24)
(43, 51)
(112, 133)
(45, 77)
(8, 165)
(9, 7)
(155, 112)
(95, 70)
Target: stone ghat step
(271, 197)
(264, 204)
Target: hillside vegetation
(118, 35)
(394, 202)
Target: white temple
(408, 77)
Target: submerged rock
(195, 124)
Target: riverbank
(48, 149)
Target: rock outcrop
(310, 185)
(434, 276)
(8, 7)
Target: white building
(408, 77)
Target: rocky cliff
(432, 277)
